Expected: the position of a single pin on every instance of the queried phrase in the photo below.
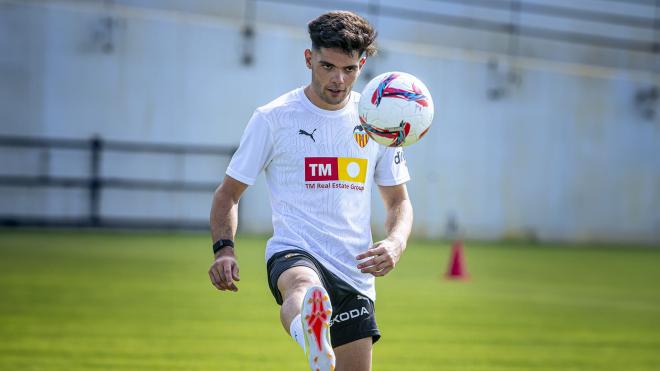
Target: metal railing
(95, 182)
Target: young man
(320, 169)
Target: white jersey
(320, 169)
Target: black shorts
(353, 314)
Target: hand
(386, 254)
(224, 270)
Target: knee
(296, 283)
(303, 282)
(299, 286)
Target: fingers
(219, 282)
(375, 251)
(229, 282)
(226, 274)
(378, 266)
(377, 270)
(381, 263)
(372, 262)
(223, 273)
(215, 279)
(234, 273)
(382, 272)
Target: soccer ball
(396, 109)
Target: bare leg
(293, 285)
(354, 356)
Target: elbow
(224, 196)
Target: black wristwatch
(222, 243)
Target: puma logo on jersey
(303, 132)
(345, 316)
(360, 297)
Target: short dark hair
(344, 30)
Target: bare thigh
(354, 356)
(293, 284)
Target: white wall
(564, 155)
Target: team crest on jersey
(360, 135)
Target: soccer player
(320, 169)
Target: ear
(308, 58)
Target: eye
(327, 67)
(351, 69)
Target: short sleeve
(391, 168)
(254, 152)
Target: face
(333, 75)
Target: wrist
(222, 244)
(397, 240)
(224, 251)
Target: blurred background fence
(547, 124)
(94, 183)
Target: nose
(338, 77)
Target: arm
(386, 253)
(224, 220)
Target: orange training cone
(456, 269)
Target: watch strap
(222, 243)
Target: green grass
(111, 301)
